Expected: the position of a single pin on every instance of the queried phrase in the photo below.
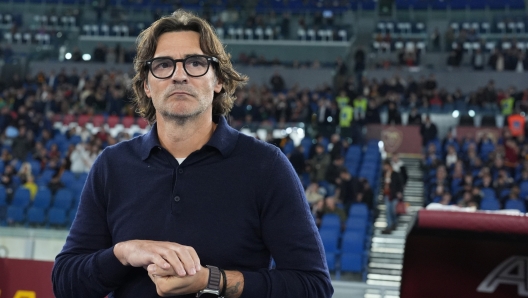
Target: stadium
(403, 120)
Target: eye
(161, 64)
(196, 62)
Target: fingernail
(193, 271)
(198, 267)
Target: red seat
(112, 121)
(128, 121)
(83, 119)
(142, 122)
(56, 118)
(67, 119)
(98, 120)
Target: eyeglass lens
(193, 66)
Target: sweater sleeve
(289, 232)
(87, 266)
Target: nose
(179, 74)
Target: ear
(218, 85)
(146, 88)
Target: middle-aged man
(192, 208)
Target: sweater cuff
(254, 284)
(109, 267)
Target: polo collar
(224, 138)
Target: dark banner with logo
(460, 254)
(25, 279)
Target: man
(192, 192)
(392, 193)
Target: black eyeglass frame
(175, 61)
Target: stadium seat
(489, 204)
(98, 120)
(57, 217)
(356, 224)
(128, 121)
(515, 204)
(331, 222)
(63, 199)
(358, 210)
(351, 262)
(42, 198)
(21, 197)
(36, 216)
(68, 178)
(330, 239)
(15, 215)
(112, 121)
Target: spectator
(314, 193)
(277, 82)
(319, 164)
(415, 118)
(298, 161)
(399, 167)
(428, 131)
(392, 193)
(21, 145)
(7, 179)
(55, 183)
(31, 186)
(329, 206)
(394, 116)
(348, 188)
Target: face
(181, 97)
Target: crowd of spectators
(468, 171)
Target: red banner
(452, 254)
(407, 139)
(25, 279)
(397, 138)
(477, 132)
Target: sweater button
(176, 198)
(180, 171)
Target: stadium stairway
(386, 252)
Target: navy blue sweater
(237, 201)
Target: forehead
(178, 44)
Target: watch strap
(213, 284)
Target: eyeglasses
(194, 66)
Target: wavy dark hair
(210, 44)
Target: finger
(174, 260)
(156, 270)
(189, 258)
(183, 259)
(160, 261)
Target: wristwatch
(213, 285)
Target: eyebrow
(185, 56)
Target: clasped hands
(174, 268)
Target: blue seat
(358, 210)
(3, 196)
(21, 197)
(57, 216)
(515, 204)
(331, 261)
(489, 204)
(353, 241)
(351, 262)
(524, 189)
(63, 199)
(42, 198)
(15, 214)
(488, 193)
(36, 216)
(331, 221)
(330, 240)
(356, 224)
(68, 178)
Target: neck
(183, 138)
